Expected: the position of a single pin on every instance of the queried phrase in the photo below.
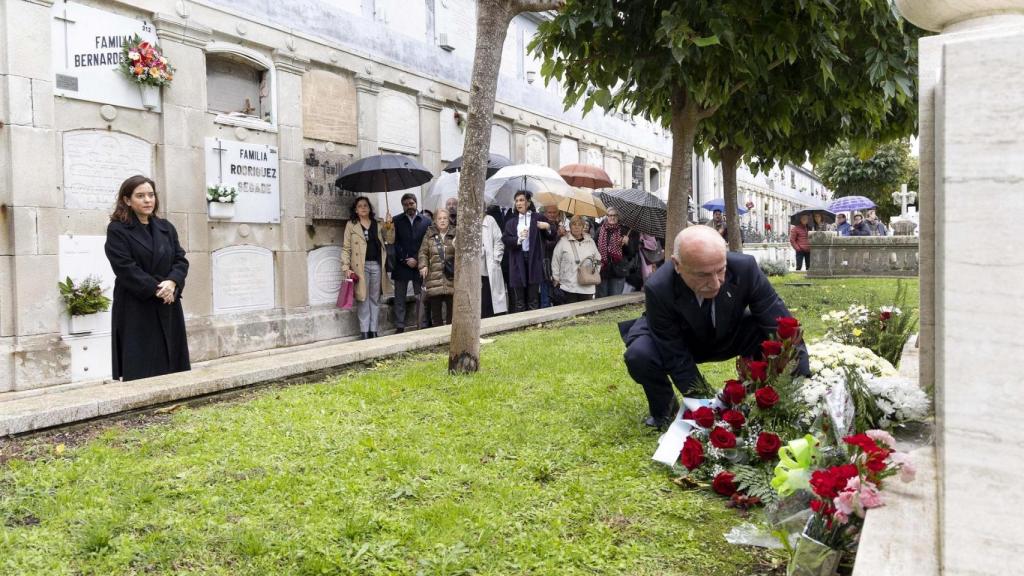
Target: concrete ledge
(35, 412)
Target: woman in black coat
(525, 233)
(148, 331)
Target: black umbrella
(638, 209)
(829, 217)
(383, 173)
(495, 162)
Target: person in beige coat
(437, 247)
(573, 250)
(363, 258)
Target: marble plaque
(86, 54)
(243, 279)
(613, 166)
(452, 135)
(568, 152)
(253, 170)
(324, 269)
(639, 166)
(329, 107)
(398, 122)
(536, 148)
(594, 157)
(324, 200)
(501, 140)
(95, 164)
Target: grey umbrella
(829, 217)
(638, 209)
(383, 173)
(495, 162)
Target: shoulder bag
(448, 266)
(587, 273)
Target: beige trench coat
(353, 254)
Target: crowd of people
(799, 233)
(530, 259)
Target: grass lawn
(536, 465)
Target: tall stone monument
(972, 306)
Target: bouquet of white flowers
(220, 193)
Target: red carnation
(758, 370)
(734, 392)
(885, 316)
(771, 348)
(866, 443)
(766, 397)
(767, 446)
(692, 454)
(734, 418)
(722, 438)
(704, 416)
(788, 327)
(724, 483)
(827, 483)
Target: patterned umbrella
(383, 173)
(719, 204)
(495, 162)
(850, 203)
(638, 209)
(585, 175)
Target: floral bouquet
(144, 63)
(885, 329)
(220, 193)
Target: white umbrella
(502, 187)
(445, 186)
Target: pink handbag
(347, 294)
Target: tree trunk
(492, 20)
(680, 184)
(730, 158)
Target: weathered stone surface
(833, 255)
(329, 107)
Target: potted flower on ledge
(83, 303)
(145, 64)
(221, 201)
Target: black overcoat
(408, 238)
(526, 268)
(147, 336)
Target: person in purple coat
(525, 233)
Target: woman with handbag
(576, 264)
(437, 267)
(618, 247)
(363, 258)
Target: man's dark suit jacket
(680, 330)
(408, 237)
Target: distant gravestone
(324, 200)
(243, 279)
(95, 164)
(452, 135)
(536, 148)
(329, 107)
(253, 170)
(501, 140)
(613, 166)
(324, 270)
(568, 152)
(594, 157)
(398, 122)
(639, 167)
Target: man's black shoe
(399, 330)
(659, 423)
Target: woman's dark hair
(529, 199)
(352, 213)
(122, 211)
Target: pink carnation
(905, 463)
(883, 437)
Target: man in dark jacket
(711, 305)
(524, 237)
(410, 227)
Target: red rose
(734, 392)
(885, 316)
(766, 397)
(724, 483)
(722, 438)
(734, 418)
(767, 446)
(692, 454)
(704, 416)
(788, 327)
(827, 483)
(771, 348)
(758, 370)
(687, 414)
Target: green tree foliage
(681, 63)
(871, 172)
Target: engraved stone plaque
(243, 279)
(95, 164)
(398, 122)
(324, 200)
(536, 148)
(329, 107)
(324, 269)
(568, 152)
